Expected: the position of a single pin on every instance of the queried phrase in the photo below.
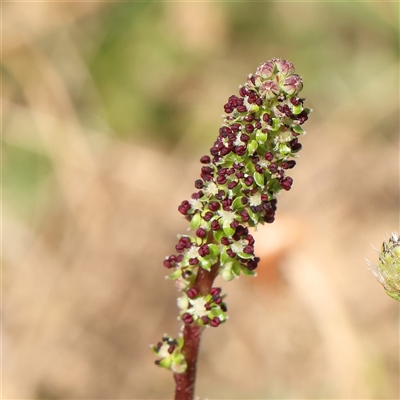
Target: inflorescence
(239, 181)
(387, 272)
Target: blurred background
(107, 108)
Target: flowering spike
(238, 186)
(387, 272)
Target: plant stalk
(185, 383)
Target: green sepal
(253, 108)
(228, 230)
(237, 203)
(394, 295)
(252, 146)
(236, 268)
(261, 137)
(253, 216)
(298, 129)
(175, 275)
(297, 109)
(284, 149)
(274, 185)
(218, 235)
(259, 178)
(275, 124)
(195, 221)
(245, 256)
(249, 167)
(165, 362)
(214, 249)
(205, 263)
(247, 271)
(224, 257)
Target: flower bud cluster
(247, 167)
(387, 272)
(205, 310)
(170, 352)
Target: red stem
(185, 383)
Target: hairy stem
(185, 383)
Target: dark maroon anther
(249, 118)
(296, 147)
(221, 180)
(206, 170)
(184, 207)
(244, 137)
(249, 128)
(215, 290)
(193, 261)
(205, 319)
(208, 215)
(239, 174)
(224, 131)
(232, 184)
(179, 258)
(228, 109)
(222, 172)
(288, 164)
(244, 200)
(269, 156)
(207, 306)
(168, 264)
(241, 109)
(198, 195)
(252, 264)
(230, 253)
(286, 183)
(214, 151)
(248, 249)
(205, 160)
(264, 197)
(201, 233)
(225, 241)
(215, 322)
(240, 150)
(234, 224)
(220, 195)
(179, 248)
(215, 225)
(255, 160)
(259, 169)
(286, 110)
(250, 240)
(240, 231)
(214, 206)
(157, 362)
(235, 127)
(273, 167)
(204, 250)
(245, 215)
(266, 118)
(302, 117)
(192, 293)
(187, 318)
(259, 101)
(295, 101)
(237, 166)
(224, 151)
(223, 307)
(217, 299)
(243, 91)
(249, 180)
(171, 348)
